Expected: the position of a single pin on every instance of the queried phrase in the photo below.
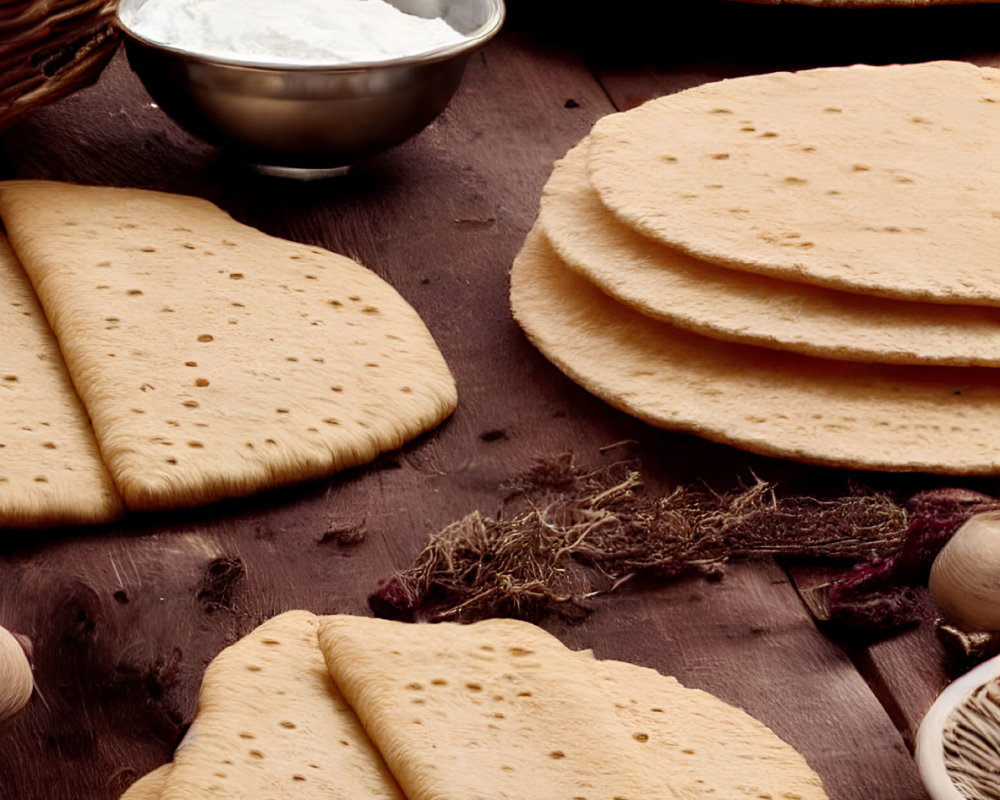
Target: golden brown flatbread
(739, 306)
(214, 360)
(501, 709)
(879, 180)
(51, 472)
(821, 411)
(271, 723)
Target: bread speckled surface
(501, 710)
(734, 305)
(271, 723)
(215, 360)
(821, 411)
(51, 472)
(881, 180)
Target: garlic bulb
(965, 576)
(16, 680)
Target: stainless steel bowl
(310, 121)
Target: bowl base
(300, 173)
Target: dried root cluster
(579, 533)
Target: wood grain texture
(124, 618)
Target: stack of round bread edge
(803, 265)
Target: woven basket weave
(49, 48)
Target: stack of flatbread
(800, 264)
(160, 354)
(349, 707)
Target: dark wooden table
(124, 618)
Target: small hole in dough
(206, 337)
(256, 754)
(247, 735)
(236, 276)
(201, 382)
(288, 725)
(196, 445)
(41, 479)
(190, 404)
(557, 754)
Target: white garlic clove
(16, 680)
(965, 576)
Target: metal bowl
(314, 120)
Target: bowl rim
(490, 27)
(929, 749)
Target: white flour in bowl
(291, 31)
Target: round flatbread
(879, 180)
(541, 721)
(836, 413)
(666, 284)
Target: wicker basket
(49, 48)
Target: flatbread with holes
(51, 472)
(272, 724)
(878, 180)
(821, 411)
(665, 283)
(215, 360)
(540, 721)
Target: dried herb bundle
(579, 533)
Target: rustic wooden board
(125, 618)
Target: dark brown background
(124, 618)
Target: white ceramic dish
(930, 744)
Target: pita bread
(666, 284)
(272, 724)
(539, 721)
(51, 472)
(878, 180)
(821, 411)
(214, 360)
